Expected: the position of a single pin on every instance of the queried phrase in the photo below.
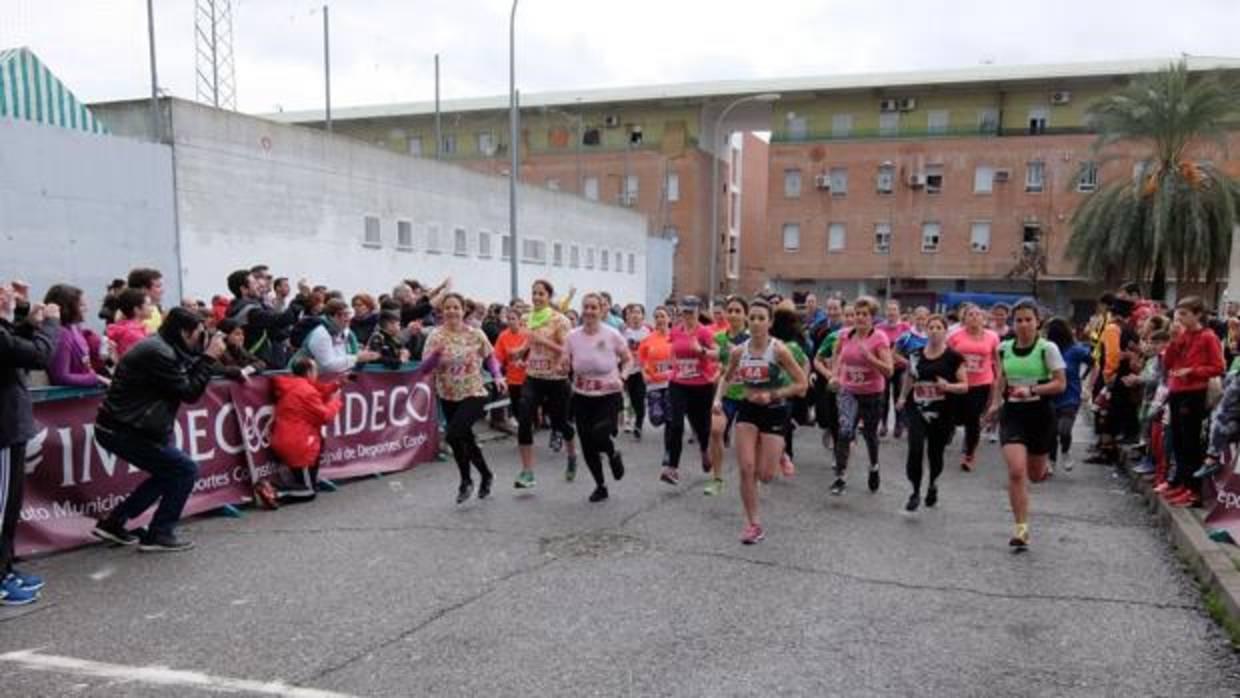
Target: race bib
(687, 368)
(456, 369)
(754, 374)
(974, 363)
(587, 384)
(856, 376)
(664, 367)
(1021, 384)
(927, 392)
(540, 365)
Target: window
(988, 120)
(448, 147)
(591, 137)
(936, 121)
(432, 238)
(574, 256)
(882, 238)
(589, 258)
(934, 179)
(415, 146)
(1038, 117)
(505, 247)
(889, 124)
(1031, 235)
(983, 179)
(792, 237)
(673, 187)
(603, 257)
(628, 197)
(590, 188)
(835, 237)
(734, 166)
(632, 263)
(930, 237)
(460, 242)
(484, 244)
(404, 235)
(635, 135)
(553, 184)
(886, 180)
(486, 143)
(841, 125)
(734, 210)
(798, 128)
(619, 259)
(1088, 178)
(371, 235)
(979, 237)
(1035, 176)
(557, 254)
(534, 250)
(792, 184)
(839, 181)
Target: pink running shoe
(752, 534)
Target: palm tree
(1175, 214)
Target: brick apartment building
(931, 182)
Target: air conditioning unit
(1061, 97)
(907, 104)
(822, 181)
(1002, 175)
(888, 105)
(611, 121)
(917, 180)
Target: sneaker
(787, 467)
(556, 441)
(671, 476)
(164, 543)
(570, 471)
(837, 487)
(914, 501)
(1020, 538)
(1189, 499)
(27, 582)
(525, 480)
(599, 494)
(826, 440)
(484, 487)
(705, 463)
(326, 485)
(714, 487)
(1050, 470)
(1068, 464)
(1174, 492)
(637, 434)
(932, 496)
(1207, 470)
(752, 534)
(882, 431)
(898, 433)
(114, 532)
(616, 461)
(873, 481)
(266, 496)
(11, 594)
(464, 492)
(966, 463)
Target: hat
(690, 302)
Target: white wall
(83, 208)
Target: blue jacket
(1077, 356)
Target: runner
(1076, 356)
(735, 312)
(510, 350)
(1030, 374)
(597, 354)
(934, 372)
(462, 352)
(978, 345)
(692, 388)
(786, 327)
(635, 330)
(862, 367)
(546, 382)
(827, 410)
(769, 375)
(655, 355)
(894, 327)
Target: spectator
(236, 362)
(282, 291)
(18, 354)
(387, 341)
(365, 316)
(152, 282)
(1192, 359)
(331, 345)
(264, 328)
(70, 364)
(133, 307)
(304, 405)
(136, 420)
(107, 310)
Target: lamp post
(514, 147)
(720, 142)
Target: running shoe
(898, 433)
(525, 480)
(599, 494)
(873, 481)
(787, 467)
(914, 501)
(932, 496)
(882, 431)
(705, 463)
(714, 487)
(616, 461)
(1207, 470)
(1174, 492)
(266, 495)
(114, 532)
(570, 470)
(837, 487)
(1143, 468)
(1068, 464)
(27, 582)
(1020, 538)
(556, 441)
(484, 487)
(966, 463)
(164, 543)
(464, 492)
(752, 534)
(670, 475)
(11, 594)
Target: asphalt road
(387, 588)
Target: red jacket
(303, 407)
(1201, 353)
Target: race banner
(1222, 498)
(389, 423)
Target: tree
(1175, 214)
(1029, 264)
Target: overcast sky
(382, 50)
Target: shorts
(769, 419)
(731, 408)
(1029, 424)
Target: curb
(1209, 562)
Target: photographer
(136, 422)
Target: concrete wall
(253, 191)
(83, 209)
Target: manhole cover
(593, 544)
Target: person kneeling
(304, 405)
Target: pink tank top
(979, 355)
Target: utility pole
(156, 130)
(327, 71)
(438, 123)
(515, 147)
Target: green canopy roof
(29, 91)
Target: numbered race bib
(754, 374)
(687, 368)
(664, 367)
(457, 369)
(856, 376)
(927, 392)
(590, 384)
(540, 364)
(1021, 384)
(974, 363)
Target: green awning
(29, 91)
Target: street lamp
(714, 189)
(514, 147)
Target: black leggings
(597, 422)
(460, 416)
(1065, 419)
(971, 407)
(635, 387)
(12, 479)
(552, 396)
(692, 402)
(928, 434)
(827, 411)
(1188, 413)
(891, 394)
(854, 409)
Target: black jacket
(151, 382)
(20, 351)
(266, 329)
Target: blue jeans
(172, 479)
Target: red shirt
(1201, 353)
(303, 407)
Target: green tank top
(1028, 369)
(735, 391)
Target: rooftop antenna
(213, 53)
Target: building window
(505, 247)
(1031, 235)
(798, 128)
(841, 125)
(979, 237)
(889, 124)
(448, 147)
(839, 181)
(590, 188)
(557, 254)
(673, 187)
(632, 263)
(988, 121)
(734, 167)
(404, 235)
(603, 258)
(1038, 117)
(415, 146)
(886, 180)
(484, 244)
(591, 136)
(628, 197)
(1035, 176)
(534, 250)
(635, 135)
(371, 235)
(792, 237)
(432, 238)
(983, 179)
(460, 242)
(553, 184)
(1088, 178)
(574, 256)
(882, 238)
(486, 143)
(792, 184)
(619, 259)
(835, 237)
(936, 121)
(589, 258)
(930, 237)
(934, 179)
